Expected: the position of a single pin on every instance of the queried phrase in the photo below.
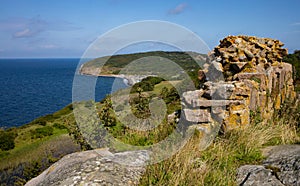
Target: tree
(173, 95)
(294, 59)
(164, 92)
(107, 114)
(140, 104)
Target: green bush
(169, 95)
(147, 84)
(7, 140)
(42, 132)
(59, 126)
(106, 113)
(294, 59)
(41, 122)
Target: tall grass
(217, 165)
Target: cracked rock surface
(281, 167)
(95, 167)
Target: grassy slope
(165, 66)
(31, 155)
(29, 152)
(140, 138)
(217, 165)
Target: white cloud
(24, 27)
(26, 33)
(49, 46)
(295, 24)
(178, 9)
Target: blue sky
(65, 28)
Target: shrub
(42, 132)
(41, 122)
(59, 126)
(7, 140)
(106, 113)
(147, 84)
(169, 95)
(294, 59)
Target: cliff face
(245, 75)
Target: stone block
(197, 115)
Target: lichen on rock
(248, 70)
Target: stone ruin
(244, 74)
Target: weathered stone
(240, 92)
(238, 115)
(217, 66)
(238, 66)
(93, 168)
(222, 90)
(190, 96)
(204, 103)
(254, 175)
(197, 115)
(253, 68)
(260, 78)
(201, 75)
(256, 79)
(238, 50)
(281, 167)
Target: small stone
(238, 66)
(76, 178)
(248, 54)
(88, 170)
(217, 66)
(98, 181)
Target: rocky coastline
(128, 79)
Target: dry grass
(217, 165)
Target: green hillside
(159, 63)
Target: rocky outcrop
(96, 167)
(245, 74)
(248, 54)
(281, 167)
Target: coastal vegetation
(148, 63)
(217, 165)
(139, 105)
(294, 59)
(31, 148)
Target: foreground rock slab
(282, 167)
(95, 167)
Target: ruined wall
(244, 74)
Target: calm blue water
(30, 88)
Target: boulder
(96, 167)
(281, 167)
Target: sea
(30, 88)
